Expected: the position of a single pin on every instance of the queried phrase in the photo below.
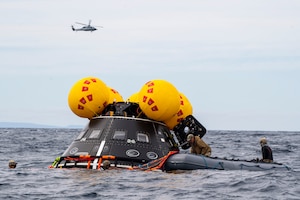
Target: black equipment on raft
(194, 126)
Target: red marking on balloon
(145, 99)
(114, 91)
(82, 100)
(80, 107)
(179, 113)
(86, 82)
(150, 84)
(84, 88)
(150, 102)
(90, 97)
(105, 104)
(94, 80)
(179, 119)
(154, 108)
(150, 90)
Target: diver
(267, 155)
(12, 164)
(198, 146)
(106, 164)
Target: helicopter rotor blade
(80, 23)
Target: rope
(155, 164)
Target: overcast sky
(238, 62)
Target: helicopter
(86, 27)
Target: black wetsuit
(266, 153)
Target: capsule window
(119, 135)
(142, 137)
(95, 134)
(81, 134)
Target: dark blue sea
(35, 150)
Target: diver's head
(106, 164)
(263, 141)
(190, 138)
(12, 164)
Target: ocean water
(35, 150)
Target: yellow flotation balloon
(134, 98)
(114, 96)
(185, 110)
(88, 97)
(159, 100)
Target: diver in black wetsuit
(267, 155)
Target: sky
(238, 62)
